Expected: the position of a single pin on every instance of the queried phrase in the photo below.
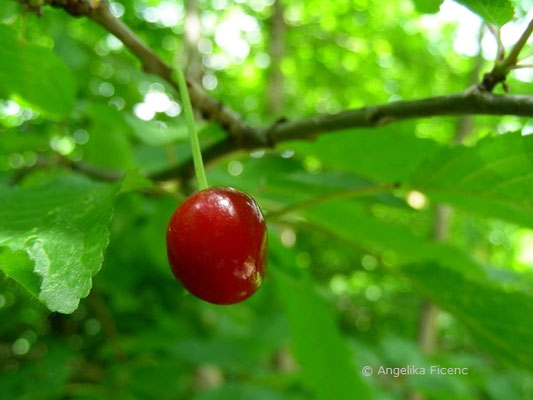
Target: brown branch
(470, 102)
(477, 100)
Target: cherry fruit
(217, 245)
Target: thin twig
(86, 169)
(519, 66)
(355, 192)
(502, 67)
(512, 58)
(496, 32)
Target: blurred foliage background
(351, 281)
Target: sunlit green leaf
(427, 6)
(157, 134)
(62, 226)
(494, 11)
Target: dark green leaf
(348, 222)
(494, 178)
(386, 154)
(108, 144)
(240, 392)
(35, 74)
(325, 357)
(501, 321)
(134, 180)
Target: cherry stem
(191, 126)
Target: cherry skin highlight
(217, 245)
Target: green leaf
(18, 266)
(108, 145)
(501, 321)
(385, 155)
(231, 354)
(280, 181)
(45, 377)
(326, 361)
(156, 133)
(63, 228)
(35, 74)
(134, 180)
(8, 10)
(428, 6)
(350, 223)
(240, 392)
(493, 178)
(153, 159)
(493, 11)
(156, 381)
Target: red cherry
(217, 245)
